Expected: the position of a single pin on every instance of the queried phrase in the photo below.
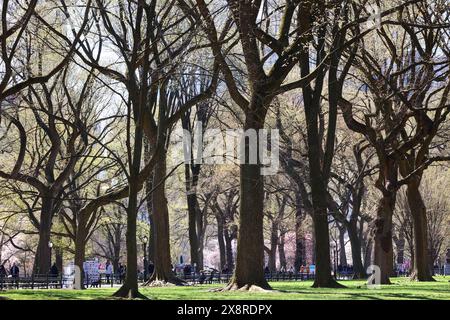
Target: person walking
(108, 271)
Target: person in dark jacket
(14, 272)
(187, 270)
(266, 270)
(3, 272)
(122, 272)
(202, 277)
(54, 272)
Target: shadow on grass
(63, 295)
(355, 290)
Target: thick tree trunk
(300, 253)
(151, 238)
(368, 254)
(299, 237)
(342, 254)
(116, 246)
(148, 188)
(249, 271)
(383, 236)
(221, 242)
(422, 270)
(355, 244)
(250, 247)
(191, 173)
(413, 259)
(162, 260)
(129, 288)
(318, 180)
(80, 253)
(115, 263)
(323, 278)
(382, 225)
(192, 226)
(59, 258)
(272, 263)
(282, 253)
(42, 260)
(229, 249)
(201, 242)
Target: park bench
(219, 278)
(36, 281)
(345, 275)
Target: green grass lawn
(401, 288)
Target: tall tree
(63, 123)
(401, 126)
(140, 35)
(195, 122)
(269, 55)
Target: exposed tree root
(233, 286)
(128, 293)
(330, 283)
(415, 277)
(165, 282)
(357, 276)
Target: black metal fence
(47, 281)
(217, 277)
(35, 281)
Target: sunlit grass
(402, 288)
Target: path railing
(35, 281)
(48, 281)
(218, 277)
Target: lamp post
(333, 251)
(335, 261)
(50, 245)
(144, 245)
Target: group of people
(121, 271)
(345, 269)
(304, 269)
(14, 271)
(206, 279)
